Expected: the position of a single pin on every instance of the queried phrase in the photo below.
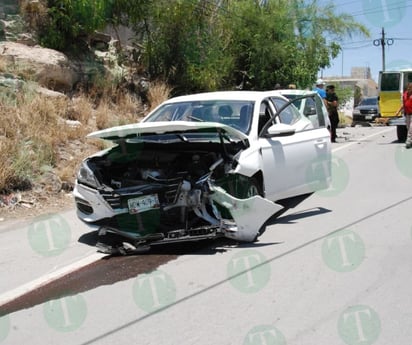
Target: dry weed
(36, 136)
(6, 171)
(130, 109)
(102, 115)
(67, 169)
(158, 92)
(3, 66)
(34, 12)
(81, 110)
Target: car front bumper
(364, 117)
(91, 206)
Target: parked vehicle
(391, 86)
(201, 166)
(366, 111)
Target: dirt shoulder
(27, 205)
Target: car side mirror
(280, 130)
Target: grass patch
(40, 134)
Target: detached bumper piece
(112, 243)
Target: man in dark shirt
(332, 106)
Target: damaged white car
(201, 166)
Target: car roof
(218, 95)
(296, 92)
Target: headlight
(85, 176)
(356, 112)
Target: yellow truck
(391, 86)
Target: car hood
(165, 127)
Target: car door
(295, 162)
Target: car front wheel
(243, 187)
(250, 187)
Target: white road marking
(48, 278)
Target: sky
(395, 16)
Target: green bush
(69, 21)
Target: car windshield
(234, 113)
(369, 101)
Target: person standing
(320, 84)
(332, 103)
(407, 110)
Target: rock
(73, 123)
(100, 41)
(48, 67)
(26, 39)
(50, 93)
(8, 81)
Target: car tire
(401, 133)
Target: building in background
(360, 81)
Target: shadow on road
(291, 218)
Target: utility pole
(383, 42)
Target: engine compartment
(136, 164)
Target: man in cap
(320, 84)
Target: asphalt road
(336, 269)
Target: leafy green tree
(319, 31)
(283, 41)
(262, 43)
(202, 45)
(185, 45)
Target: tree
(319, 31)
(185, 45)
(283, 41)
(262, 43)
(202, 45)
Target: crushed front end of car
(164, 184)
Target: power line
(379, 10)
